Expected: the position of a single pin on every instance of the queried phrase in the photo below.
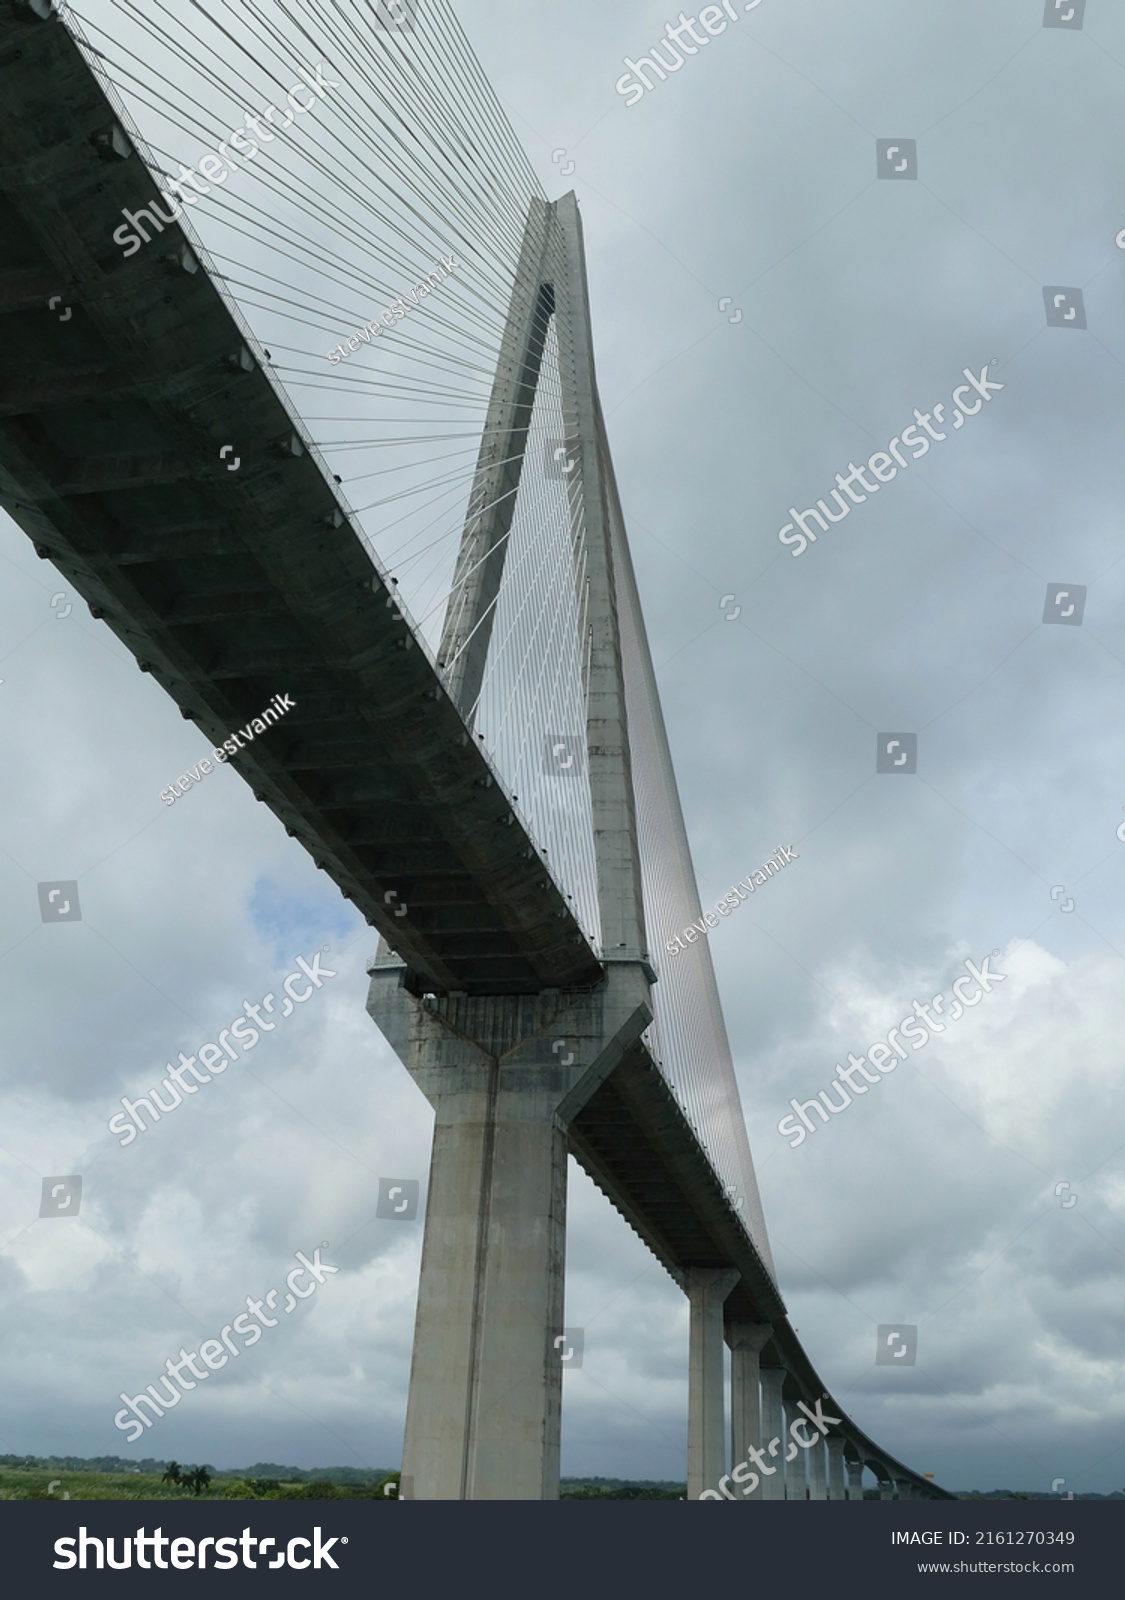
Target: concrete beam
(47, 390)
(262, 600)
(96, 475)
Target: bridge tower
(506, 1075)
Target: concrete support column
(837, 1488)
(817, 1469)
(746, 1340)
(773, 1428)
(707, 1288)
(796, 1487)
(855, 1480)
(903, 1489)
(483, 1412)
(482, 1418)
(886, 1489)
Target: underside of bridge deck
(639, 1148)
(116, 402)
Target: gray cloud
(749, 175)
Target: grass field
(42, 1483)
(87, 1483)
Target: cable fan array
(409, 161)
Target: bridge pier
(773, 1427)
(855, 1479)
(746, 1340)
(818, 1473)
(504, 1075)
(707, 1288)
(795, 1485)
(837, 1488)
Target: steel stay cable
(362, 130)
(207, 132)
(403, 342)
(438, 130)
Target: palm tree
(172, 1475)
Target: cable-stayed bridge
(475, 753)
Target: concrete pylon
(796, 1487)
(855, 1479)
(707, 1288)
(773, 1428)
(746, 1341)
(837, 1485)
(817, 1460)
(482, 1417)
(612, 800)
(469, 618)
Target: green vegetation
(110, 1478)
(1033, 1494)
(619, 1489)
(113, 1478)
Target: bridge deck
(231, 586)
(638, 1146)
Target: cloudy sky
(768, 311)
